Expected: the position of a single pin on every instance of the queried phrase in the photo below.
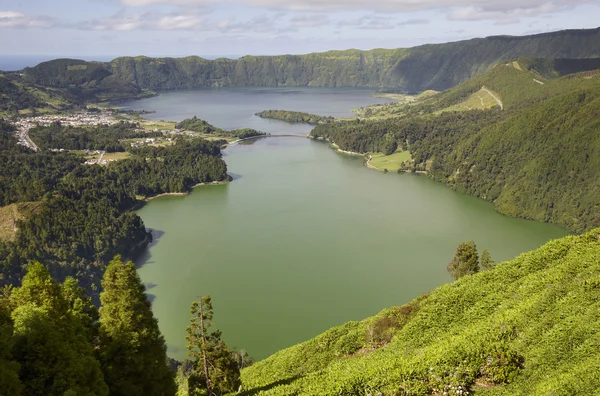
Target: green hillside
(530, 326)
(536, 159)
(435, 66)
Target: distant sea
(18, 62)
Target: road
(494, 96)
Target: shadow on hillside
(275, 384)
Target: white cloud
(18, 20)
(375, 5)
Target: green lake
(304, 238)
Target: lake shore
(183, 194)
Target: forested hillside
(435, 66)
(84, 213)
(528, 326)
(536, 159)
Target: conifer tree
(10, 384)
(486, 262)
(465, 261)
(49, 342)
(132, 350)
(214, 371)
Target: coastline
(183, 194)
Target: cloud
(309, 20)
(369, 22)
(374, 5)
(503, 16)
(17, 20)
(414, 22)
(123, 21)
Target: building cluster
(23, 125)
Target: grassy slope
(541, 310)
(11, 214)
(390, 162)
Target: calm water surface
(304, 238)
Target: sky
(104, 29)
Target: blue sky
(110, 28)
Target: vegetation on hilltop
(536, 159)
(101, 137)
(526, 327)
(195, 124)
(437, 66)
(55, 342)
(295, 117)
(84, 217)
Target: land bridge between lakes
(268, 136)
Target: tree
(49, 342)
(465, 261)
(214, 370)
(486, 261)
(132, 350)
(10, 385)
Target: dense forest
(101, 137)
(195, 124)
(85, 217)
(295, 117)
(537, 159)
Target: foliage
(49, 343)
(101, 137)
(512, 330)
(537, 159)
(54, 343)
(295, 117)
(485, 261)
(133, 352)
(465, 261)
(197, 125)
(84, 217)
(214, 369)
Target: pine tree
(465, 261)
(132, 350)
(486, 261)
(49, 342)
(10, 384)
(214, 371)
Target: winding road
(494, 96)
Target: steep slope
(530, 326)
(537, 159)
(436, 66)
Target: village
(84, 119)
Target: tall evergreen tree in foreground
(465, 261)
(133, 352)
(214, 371)
(10, 385)
(49, 342)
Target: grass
(390, 162)
(10, 214)
(151, 125)
(529, 326)
(115, 156)
(480, 100)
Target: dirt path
(494, 96)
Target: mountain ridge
(428, 66)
